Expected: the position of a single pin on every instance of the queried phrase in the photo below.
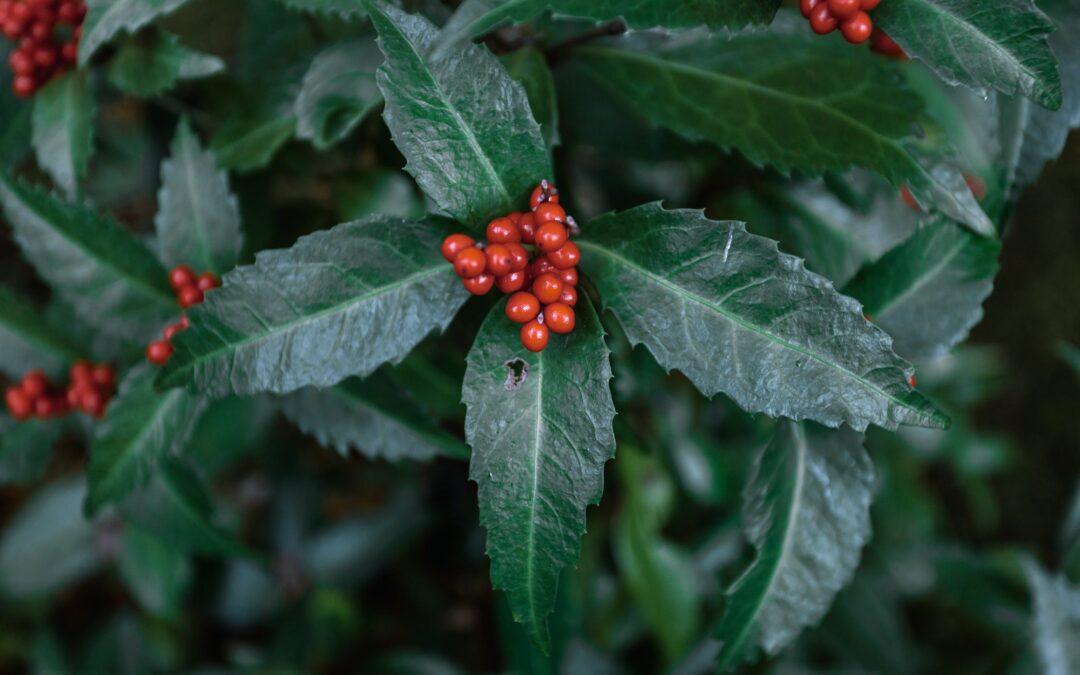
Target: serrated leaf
(338, 92)
(141, 429)
(540, 428)
(25, 449)
(735, 315)
(248, 142)
(157, 574)
(527, 66)
(474, 18)
(342, 8)
(198, 219)
(147, 66)
(176, 507)
(47, 544)
(1056, 620)
(806, 509)
(965, 42)
(781, 100)
(338, 303)
(463, 124)
(373, 416)
(63, 129)
(28, 339)
(927, 293)
(97, 266)
(105, 19)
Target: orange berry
(534, 336)
(559, 318)
(480, 284)
(551, 236)
(522, 307)
(821, 19)
(547, 288)
(527, 227)
(569, 255)
(520, 256)
(569, 276)
(499, 259)
(569, 295)
(550, 211)
(503, 231)
(470, 262)
(844, 9)
(454, 244)
(514, 281)
(857, 29)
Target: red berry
(547, 288)
(559, 318)
(20, 11)
(821, 19)
(35, 384)
(45, 407)
(541, 265)
(566, 257)
(527, 227)
(158, 352)
(544, 192)
(81, 372)
(868, 5)
(69, 52)
(520, 256)
(881, 43)
(104, 376)
(189, 296)
(208, 281)
(522, 307)
(172, 330)
(18, 403)
(550, 236)
(534, 336)
(41, 31)
(844, 9)
(499, 259)
(455, 244)
(515, 216)
(807, 6)
(911, 380)
(24, 86)
(470, 262)
(550, 211)
(975, 184)
(46, 57)
(181, 276)
(857, 29)
(569, 295)
(480, 284)
(68, 12)
(908, 198)
(93, 403)
(503, 231)
(20, 62)
(514, 281)
(568, 276)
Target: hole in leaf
(516, 372)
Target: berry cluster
(504, 262)
(48, 33)
(190, 291)
(853, 19)
(89, 390)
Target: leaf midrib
(530, 564)
(681, 292)
(439, 268)
(919, 281)
(189, 154)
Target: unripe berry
(503, 231)
(480, 284)
(527, 227)
(569, 295)
(520, 256)
(509, 283)
(35, 384)
(499, 259)
(18, 403)
(559, 318)
(857, 29)
(550, 236)
(569, 255)
(844, 9)
(189, 296)
(547, 288)
(522, 307)
(534, 336)
(158, 352)
(550, 211)
(821, 19)
(454, 244)
(470, 262)
(181, 276)
(208, 281)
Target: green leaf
(540, 428)
(14, 117)
(105, 19)
(142, 428)
(343, 8)
(376, 192)
(806, 508)
(25, 449)
(28, 339)
(781, 100)
(478, 17)
(964, 43)
(927, 293)
(338, 303)
(463, 124)
(157, 574)
(149, 65)
(373, 416)
(48, 544)
(176, 508)
(1056, 620)
(198, 219)
(249, 141)
(735, 315)
(338, 92)
(529, 67)
(63, 129)
(100, 268)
